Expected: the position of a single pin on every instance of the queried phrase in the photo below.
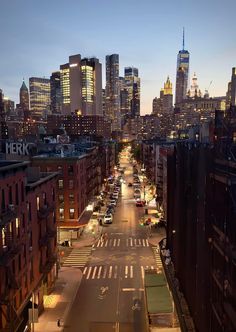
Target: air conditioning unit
(11, 207)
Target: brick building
(28, 252)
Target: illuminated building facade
(133, 86)
(65, 88)
(124, 101)
(39, 97)
(182, 75)
(113, 91)
(91, 71)
(55, 91)
(71, 91)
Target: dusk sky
(38, 36)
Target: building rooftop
(6, 165)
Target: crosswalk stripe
(131, 242)
(110, 272)
(131, 272)
(147, 243)
(114, 242)
(116, 272)
(144, 244)
(118, 242)
(126, 271)
(105, 272)
(85, 269)
(135, 242)
(106, 243)
(94, 272)
(99, 272)
(89, 271)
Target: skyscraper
(91, 70)
(24, 97)
(3, 125)
(81, 86)
(71, 91)
(55, 91)
(39, 96)
(113, 91)
(231, 93)
(133, 85)
(124, 101)
(182, 85)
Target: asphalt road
(113, 279)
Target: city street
(111, 293)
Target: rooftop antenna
(183, 38)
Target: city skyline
(151, 47)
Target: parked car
(112, 202)
(108, 219)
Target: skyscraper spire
(183, 38)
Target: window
(60, 184)
(61, 199)
(71, 198)
(44, 199)
(70, 170)
(37, 202)
(3, 237)
(17, 227)
(61, 213)
(71, 184)
(59, 169)
(29, 210)
(72, 213)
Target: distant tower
(155, 105)
(233, 87)
(113, 91)
(55, 92)
(168, 96)
(24, 100)
(132, 82)
(183, 63)
(194, 89)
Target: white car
(108, 219)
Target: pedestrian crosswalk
(117, 242)
(78, 257)
(114, 271)
(157, 258)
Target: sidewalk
(58, 304)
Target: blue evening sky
(38, 36)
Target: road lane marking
(85, 269)
(106, 243)
(139, 242)
(115, 273)
(89, 271)
(114, 243)
(132, 289)
(131, 271)
(131, 242)
(135, 242)
(110, 272)
(99, 272)
(118, 243)
(147, 242)
(144, 244)
(126, 271)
